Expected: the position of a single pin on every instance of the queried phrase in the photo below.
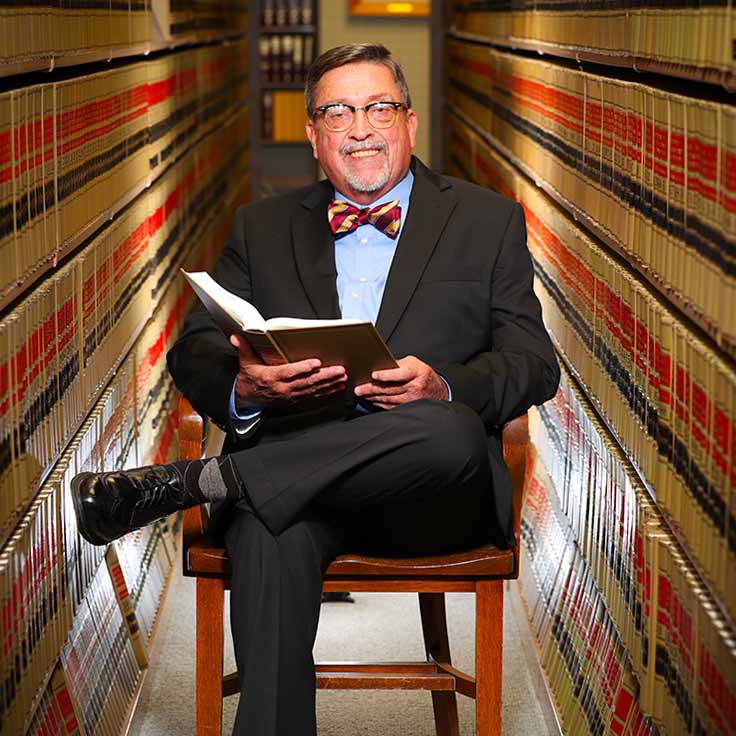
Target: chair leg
(488, 656)
(210, 602)
(437, 646)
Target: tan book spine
(126, 606)
(67, 706)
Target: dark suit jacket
(458, 296)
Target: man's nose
(361, 128)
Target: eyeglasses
(339, 117)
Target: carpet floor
(375, 627)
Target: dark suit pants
(410, 481)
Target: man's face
(362, 162)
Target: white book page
(284, 323)
(240, 309)
(245, 313)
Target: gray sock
(213, 479)
(211, 483)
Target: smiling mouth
(365, 153)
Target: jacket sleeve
(202, 361)
(520, 369)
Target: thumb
(245, 351)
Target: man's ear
(312, 136)
(411, 122)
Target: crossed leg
(407, 482)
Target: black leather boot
(109, 505)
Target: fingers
(308, 372)
(321, 390)
(385, 396)
(261, 385)
(402, 374)
(288, 371)
(410, 367)
(412, 380)
(283, 372)
(319, 382)
(374, 390)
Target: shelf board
(50, 62)
(36, 700)
(521, 611)
(718, 77)
(133, 704)
(280, 30)
(708, 331)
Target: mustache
(363, 146)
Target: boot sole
(79, 510)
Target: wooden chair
(480, 571)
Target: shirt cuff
(449, 390)
(243, 421)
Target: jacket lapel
(432, 201)
(314, 252)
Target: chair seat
(488, 561)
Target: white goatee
(365, 184)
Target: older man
(409, 463)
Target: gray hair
(352, 53)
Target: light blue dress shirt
(363, 259)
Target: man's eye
(338, 112)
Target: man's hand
(259, 386)
(412, 380)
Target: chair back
(191, 445)
(515, 452)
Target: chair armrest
(191, 447)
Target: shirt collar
(402, 192)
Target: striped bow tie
(344, 218)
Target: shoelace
(152, 495)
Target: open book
(347, 342)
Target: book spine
(126, 606)
(287, 59)
(67, 708)
(267, 115)
(264, 59)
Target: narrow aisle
(376, 626)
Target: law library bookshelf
(124, 152)
(287, 44)
(613, 126)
